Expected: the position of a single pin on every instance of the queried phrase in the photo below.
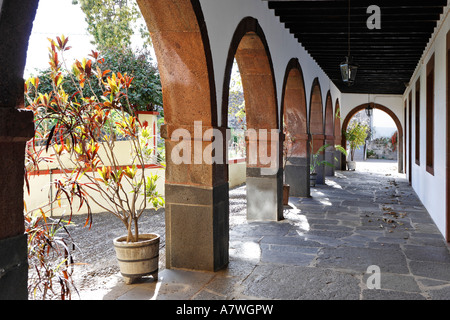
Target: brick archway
(329, 134)
(295, 119)
(182, 47)
(195, 190)
(337, 123)
(293, 105)
(316, 110)
(329, 118)
(250, 49)
(181, 44)
(337, 134)
(316, 126)
(397, 122)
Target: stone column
(264, 176)
(296, 171)
(16, 127)
(329, 155)
(339, 156)
(196, 195)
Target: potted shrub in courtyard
(83, 129)
(315, 162)
(356, 135)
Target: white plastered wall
(431, 189)
(394, 102)
(222, 18)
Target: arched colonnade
(197, 204)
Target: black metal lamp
(348, 71)
(369, 110)
(348, 67)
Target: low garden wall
(381, 148)
(41, 190)
(41, 186)
(236, 172)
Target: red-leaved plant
(77, 133)
(50, 258)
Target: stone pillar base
(338, 160)
(320, 170)
(197, 227)
(329, 157)
(14, 268)
(16, 127)
(296, 174)
(264, 195)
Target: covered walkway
(321, 250)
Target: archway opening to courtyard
(262, 134)
(316, 129)
(296, 153)
(337, 135)
(189, 102)
(237, 149)
(382, 150)
(329, 132)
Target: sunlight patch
(248, 251)
(296, 218)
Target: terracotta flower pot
(286, 189)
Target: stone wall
(381, 148)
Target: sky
(54, 18)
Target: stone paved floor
(322, 249)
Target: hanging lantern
(348, 71)
(369, 110)
(348, 67)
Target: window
(430, 117)
(410, 137)
(417, 115)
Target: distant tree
(236, 102)
(112, 22)
(145, 92)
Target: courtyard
(323, 249)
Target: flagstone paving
(321, 250)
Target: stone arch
(182, 48)
(316, 110)
(197, 189)
(329, 121)
(293, 104)
(329, 134)
(181, 44)
(340, 158)
(337, 123)
(295, 118)
(251, 51)
(355, 110)
(316, 126)
(264, 179)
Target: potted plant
(315, 162)
(84, 129)
(356, 135)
